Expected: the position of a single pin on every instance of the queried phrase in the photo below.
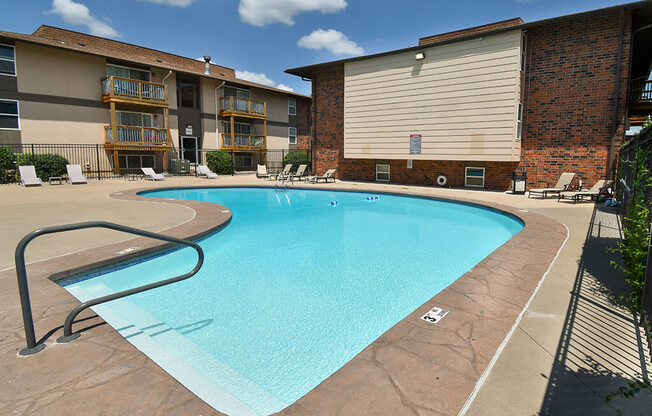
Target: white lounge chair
(562, 185)
(261, 172)
(299, 173)
(595, 191)
(28, 176)
(285, 173)
(209, 174)
(75, 174)
(149, 173)
(326, 176)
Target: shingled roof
(113, 49)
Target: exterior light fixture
(419, 56)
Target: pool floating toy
(333, 203)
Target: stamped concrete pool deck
(414, 368)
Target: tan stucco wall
(61, 124)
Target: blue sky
(262, 38)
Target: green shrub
(7, 159)
(220, 162)
(45, 164)
(296, 158)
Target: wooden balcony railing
(242, 107)
(143, 136)
(242, 142)
(641, 91)
(134, 91)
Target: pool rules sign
(415, 144)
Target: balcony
(242, 142)
(134, 92)
(640, 97)
(243, 107)
(136, 136)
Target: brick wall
(568, 110)
(568, 99)
(303, 124)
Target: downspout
(614, 127)
(313, 124)
(163, 82)
(217, 112)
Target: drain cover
(434, 315)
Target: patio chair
(75, 174)
(299, 173)
(28, 176)
(261, 172)
(326, 176)
(562, 185)
(209, 174)
(149, 173)
(285, 173)
(595, 192)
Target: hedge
(220, 162)
(7, 159)
(296, 158)
(46, 164)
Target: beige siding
(462, 98)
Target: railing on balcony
(242, 106)
(135, 90)
(144, 136)
(641, 90)
(242, 141)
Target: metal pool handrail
(28, 322)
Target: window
(292, 135)
(125, 118)
(9, 115)
(136, 161)
(188, 96)
(243, 161)
(292, 106)
(523, 50)
(236, 92)
(125, 72)
(240, 128)
(474, 177)
(519, 121)
(7, 60)
(382, 173)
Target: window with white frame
(126, 118)
(136, 161)
(7, 60)
(292, 106)
(292, 135)
(523, 50)
(382, 172)
(126, 72)
(9, 119)
(519, 121)
(474, 177)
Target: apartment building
(470, 107)
(143, 106)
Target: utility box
(179, 166)
(519, 179)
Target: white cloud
(78, 14)
(331, 40)
(255, 77)
(173, 3)
(285, 87)
(264, 12)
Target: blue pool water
(292, 288)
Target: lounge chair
(562, 185)
(28, 176)
(261, 172)
(203, 170)
(285, 173)
(326, 176)
(299, 173)
(75, 174)
(149, 173)
(595, 191)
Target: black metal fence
(625, 188)
(97, 162)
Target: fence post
(33, 157)
(97, 153)
(232, 164)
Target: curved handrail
(21, 275)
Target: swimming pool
(292, 288)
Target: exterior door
(188, 148)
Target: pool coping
(415, 366)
